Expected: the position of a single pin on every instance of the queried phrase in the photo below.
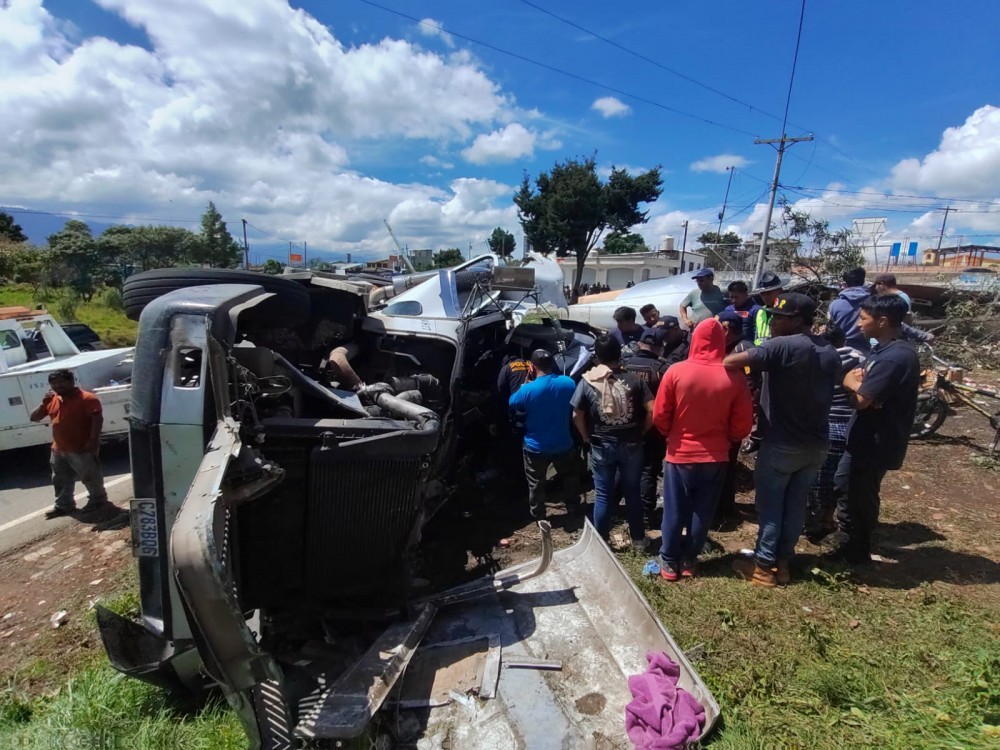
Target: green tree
(76, 259)
(272, 267)
(145, 247)
(720, 249)
(10, 231)
(448, 258)
(216, 247)
(569, 207)
(811, 247)
(622, 243)
(23, 263)
(502, 243)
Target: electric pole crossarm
(782, 142)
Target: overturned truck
(289, 444)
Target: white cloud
(254, 105)
(609, 106)
(966, 163)
(432, 161)
(433, 28)
(511, 142)
(718, 163)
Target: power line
(650, 60)
(896, 195)
(560, 71)
(79, 214)
(708, 87)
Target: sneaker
(58, 512)
(640, 545)
(758, 576)
(668, 571)
(782, 573)
(687, 568)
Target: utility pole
(246, 247)
(684, 243)
(305, 254)
(770, 204)
(722, 213)
(937, 253)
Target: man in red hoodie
(701, 408)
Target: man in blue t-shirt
(544, 404)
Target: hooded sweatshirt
(844, 312)
(701, 407)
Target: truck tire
(288, 307)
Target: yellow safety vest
(762, 327)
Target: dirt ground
(940, 523)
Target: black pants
(727, 499)
(858, 505)
(654, 449)
(536, 466)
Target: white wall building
(618, 270)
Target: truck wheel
(288, 307)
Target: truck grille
(361, 520)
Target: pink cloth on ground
(661, 716)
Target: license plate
(145, 531)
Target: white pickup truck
(24, 377)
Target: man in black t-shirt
(648, 365)
(884, 393)
(800, 371)
(612, 411)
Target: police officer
(648, 365)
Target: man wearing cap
(677, 342)
(800, 371)
(767, 291)
(702, 302)
(544, 404)
(648, 365)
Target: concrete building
(963, 256)
(618, 270)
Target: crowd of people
(672, 402)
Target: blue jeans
(611, 460)
(782, 478)
(690, 495)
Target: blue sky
(317, 120)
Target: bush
(112, 299)
(65, 307)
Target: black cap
(654, 336)
(768, 281)
(667, 322)
(793, 304)
(542, 358)
(729, 317)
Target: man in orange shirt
(77, 418)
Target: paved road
(26, 491)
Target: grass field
(109, 323)
(823, 664)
